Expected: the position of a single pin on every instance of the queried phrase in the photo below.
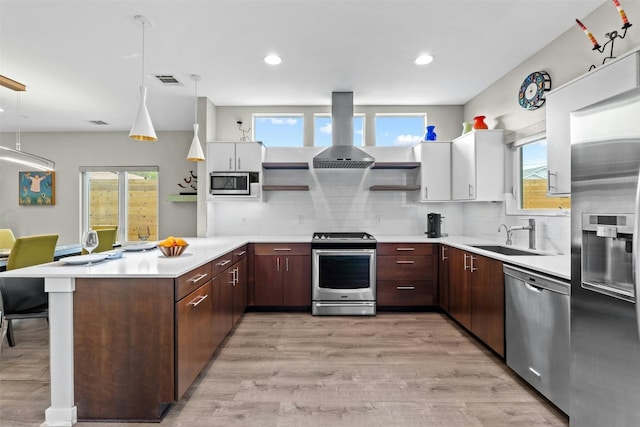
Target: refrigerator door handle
(634, 249)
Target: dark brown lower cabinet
(282, 275)
(406, 274)
(195, 337)
(443, 278)
(222, 319)
(476, 296)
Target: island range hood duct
(342, 154)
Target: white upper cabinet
(604, 82)
(435, 171)
(477, 166)
(234, 156)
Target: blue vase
(430, 135)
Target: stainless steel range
(344, 274)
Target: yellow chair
(102, 227)
(7, 239)
(25, 298)
(106, 239)
(32, 250)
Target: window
(393, 130)
(530, 181)
(322, 130)
(279, 130)
(126, 197)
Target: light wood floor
(290, 369)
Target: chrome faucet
(509, 233)
(532, 232)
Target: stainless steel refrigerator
(605, 343)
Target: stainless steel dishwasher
(537, 310)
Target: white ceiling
(81, 59)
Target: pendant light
(195, 152)
(142, 128)
(18, 156)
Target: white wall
(72, 150)
(567, 57)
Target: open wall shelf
(285, 165)
(394, 188)
(395, 165)
(285, 188)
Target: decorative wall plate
(533, 90)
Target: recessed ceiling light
(272, 59)
(423, 59)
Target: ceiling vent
(168, 79)
(98, 122)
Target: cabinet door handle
(197, 278)
(426, 192)
(238, 164)
(278, 264)
(286, 261)
(470, 190)
(443, 249)
(232, 273)
(230, 165)
(405, 262)
(472, 258)
(240, 253)
(223, 263)
(549, 175)
(281, 249)
(405, 249)
(197, 300)
(405, 288)
(465, 262)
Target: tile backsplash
(340, 200)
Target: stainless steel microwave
(230, 183)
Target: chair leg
(10, 338)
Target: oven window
(344, 271)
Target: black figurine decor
(611, 36)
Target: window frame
(375, 124)
(122, 173)
(256, 116)
(513, 200)
(328, 115)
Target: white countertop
(202, 250)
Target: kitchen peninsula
(119, 346)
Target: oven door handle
(344, 304)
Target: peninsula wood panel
(123, 348)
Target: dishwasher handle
(537, 281)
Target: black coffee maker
(434, 225)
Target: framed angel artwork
(36, 188)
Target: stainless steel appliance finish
(605, 345)
(229, 183)
(343, 274)
(537, 332)
(342, 154)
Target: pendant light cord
(142, 76)
(18, 114)
(195, 79)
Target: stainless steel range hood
(342, 154)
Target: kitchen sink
(504, 250)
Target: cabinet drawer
(405, 249)
(283, 249)
(220, 264)
(238, 254)
(192, 280)
(405, 292)
(404, 267)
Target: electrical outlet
(300, 219)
